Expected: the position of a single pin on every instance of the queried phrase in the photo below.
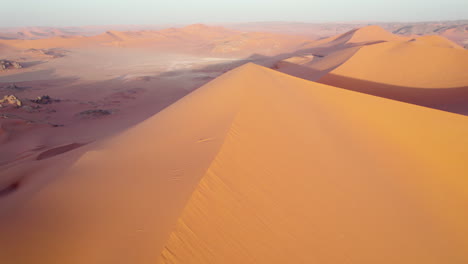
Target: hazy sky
(106, 12)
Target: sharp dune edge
(427, 70)
(370, 34)
(408, 64)
(255, 167)
(419, 72)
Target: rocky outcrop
(95, 113)
(45, 99)
(7, 64)
(10, 100)
(49, 53)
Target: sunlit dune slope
(313, 174)
(408, 64)
(258, 167)
(338, 49)
(356, 37)
(411, 71)
(331, 52)
(437, 41)
(370, 34)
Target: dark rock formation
(95, 113)
(7, 64)
(45, 99)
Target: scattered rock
(7, 64)
(10, 100)
(95, 113)
(144, 78)
(30, 109)
(52, 53)
(14, 87)
(45, 99)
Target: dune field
(210, 144)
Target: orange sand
(254, 167)
(428, 70)
(193, 39)
(408, 64)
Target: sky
(143, 12)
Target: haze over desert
(207, 132)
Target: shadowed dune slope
(314, 67)
(119, 201)
(255, 167)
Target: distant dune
(192, 39)
(456, 31)
(419, 73)
(369, 35)
(427, 70)
(408, 64)
(437, 41)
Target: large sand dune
(419, 73)
(329, 53)
(426, 70)
(254, 167)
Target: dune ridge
(419, 73)
(356, 179)
(408, 64)
(425, 70)
(254, 167)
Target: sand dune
(353, 180)
(414, 72)
(193, 39)
(166, 160)
(369, 34)
(357, 37)
(34, 32)
(254, 167)
(437, 41)
(454, 30)
(316, 66)
(408, 64)
(426, 70)
(329, 53)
